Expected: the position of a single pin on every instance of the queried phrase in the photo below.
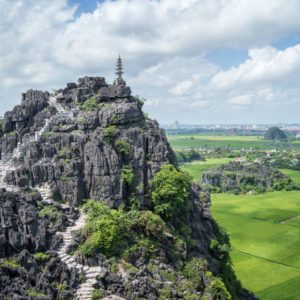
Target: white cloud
(265, 65)
(43, 45)
(241, 100)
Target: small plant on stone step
(62, 287)
(82, 278)
(97, 294)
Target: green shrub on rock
(127, 175)
(122, 147)
(50, 212)
(41, 257)
(90, 104)
(116, 232)
(11, 263)
(218, 290)
(105, 228)
(170, 190)
(110, 133)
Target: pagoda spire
(119, 71)
(119, 67)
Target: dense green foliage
(119, 232)
(127, 175)
(274, 133)
(187, 155)
(90, 104)
(122, 147)
(129, 235)
(170, 190)
(105, 230)
(110, 133)
(50, 212)
(218, 290)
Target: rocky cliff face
(23, 232)
(87, 141)
(84, 157)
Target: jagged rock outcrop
(20, 226)
(83, 158)
(25, 276)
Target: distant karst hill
(246, 177)
(274, 133)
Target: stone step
(85, 294)
(91, 276)
(70, 260)
(87, 286)
(90, 281)
(65, 259)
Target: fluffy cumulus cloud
(265, 65)
(165, 45)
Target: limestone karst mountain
(80, 143)
(275, 134)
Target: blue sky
(195, 61)
(84, 5)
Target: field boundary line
(260, 219)
(266, 259)
(239, 215)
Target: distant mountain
(274, 133)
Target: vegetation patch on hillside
(246, 177)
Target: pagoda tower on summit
(119, 71)
(118, 89)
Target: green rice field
(234, 142)
(265, 236)
(264, 230)
(196, 168)
(295, 175)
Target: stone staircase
(7, 160)
(7, 164)
(85, 289)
